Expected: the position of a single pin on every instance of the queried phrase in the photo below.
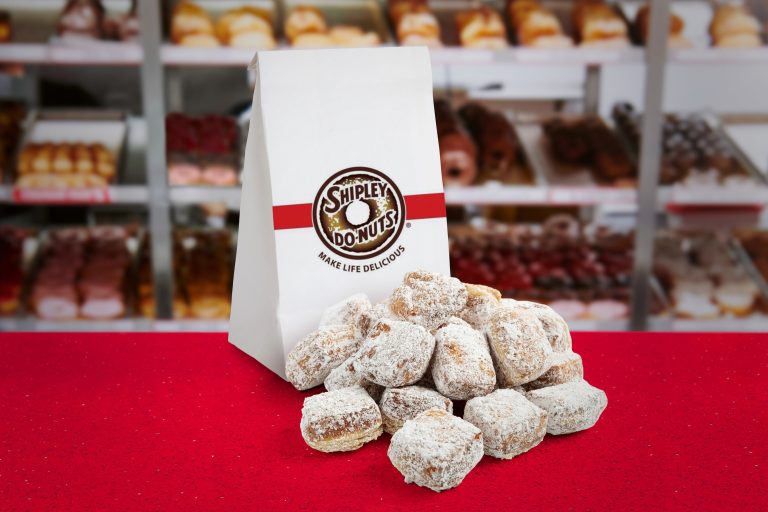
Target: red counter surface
(188, 422)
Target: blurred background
(122, 126)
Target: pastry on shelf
(201, 150)
(304, 19)
(536, 26)
(702, 277)
(499, 154)
(306, 27)
(598, 24)
(191, 26)
(82, 274)
(583, 272)
(219, 174)
(734, 26)
(246, 27)
(415, 24)
(458, 154)
(65, 165)
(6, 30)
(81, 19)
(481, 27)
(587, 141)
(676, 38)
(204, 272)
(693, 152)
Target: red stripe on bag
(292, 216)
(419, 206)
(425, 206)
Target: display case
(654, 137)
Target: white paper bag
(342, 190)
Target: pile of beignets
(399, 365)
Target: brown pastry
(414, 23)
(598, 24)
(61, 162)
(458, 154)
(733, 26)
(304, 20)
(497, 144)
(676, 27)
(536, 25)
(191, 26)
(341, 420)
(246, 27)
(41, 162)
(481, 28)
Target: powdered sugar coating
(558, 333)
(462, 367)
(563, 367)
(368, 319)
(395, 353)
(482, 301)
(313, 358)
(510, 424)
(572, 407)
(345, 376)
(399, 405)
(519, 346)
(346, 312)
(340, 421)
(436, 449)
(428, 299)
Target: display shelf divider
(153, 103)
(650, 163)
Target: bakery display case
(541, 105)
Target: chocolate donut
(496, 140)
(458, 154)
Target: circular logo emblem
(358, 213)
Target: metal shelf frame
(158, 62)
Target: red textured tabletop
(188, 422)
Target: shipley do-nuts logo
(358, 213)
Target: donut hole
(454, 172)
(358, 213)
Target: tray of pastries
(449, 23)
(236, 24)
(582, 271)
(71, 149)
(203, 263)
(578, 151)
(696, 150)
(478, 145)
(82, 273)
(334, 23)
(202, 150)
(703, 276)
